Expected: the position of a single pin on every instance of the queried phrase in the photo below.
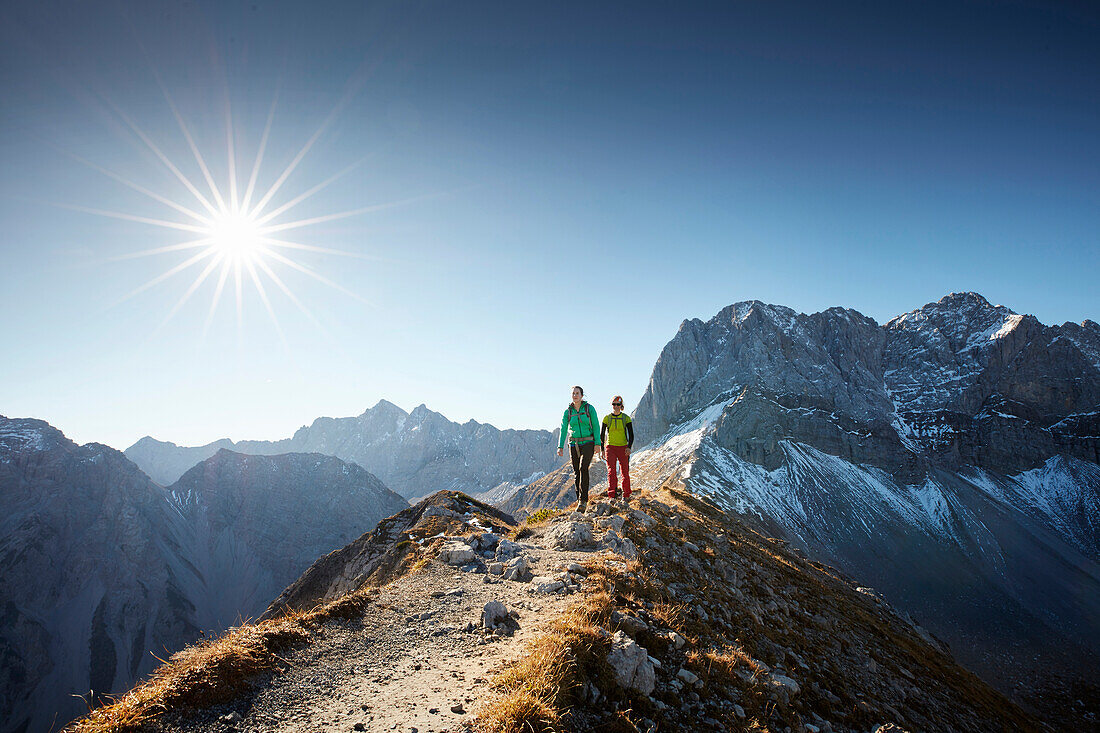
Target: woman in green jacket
(582, 425)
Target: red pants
(617, 453)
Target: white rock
(787, 686)
(517, 569)
(677, 640)
(570, 536)
(619, 545)
(506, 550)
(547, 584)
(613, 522)
(456, 553)
(631, 665)
(496, 568)
(494, 614)
(488, 541)
(687, 676)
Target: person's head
(578, 394)
(617, 404)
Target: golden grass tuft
(203, 674)
(535, 692)
(722, 664)
(218, 670)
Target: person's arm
(564, 428)
(592, 417)
(629, 434)
(603, 431)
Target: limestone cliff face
(91, 559)
(956, 382)
(948, 457)
(414, 453)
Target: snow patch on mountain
(1063, 493)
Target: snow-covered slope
(949, 458)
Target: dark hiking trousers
(581, 456)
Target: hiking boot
(582, 506)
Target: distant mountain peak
(384, 406)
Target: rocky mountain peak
(385, 408)
(965, 320)
(27, 434)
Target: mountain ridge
(102, 567)
(415, 453)
(947, 457)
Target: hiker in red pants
(617, 435)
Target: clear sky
(563, 184)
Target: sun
(236, 230)
(236, 236)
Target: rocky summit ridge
(666, 615)
(956, 382)
(948, 458)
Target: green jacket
(583, 426)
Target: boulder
(517, 569)
(570, 536)
(630, 663)
(614, 522)
(783, 687)
(506, 550)
(488, 541)
(495, 614)
(619, 545)
(457, 553)
(689, 677)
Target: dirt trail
(411, 663)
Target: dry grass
(218, 670)
(536, 692)
(721, 665)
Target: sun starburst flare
(233, 227)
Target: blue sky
(567, 185)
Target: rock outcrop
(956, 382)
(713, 628)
